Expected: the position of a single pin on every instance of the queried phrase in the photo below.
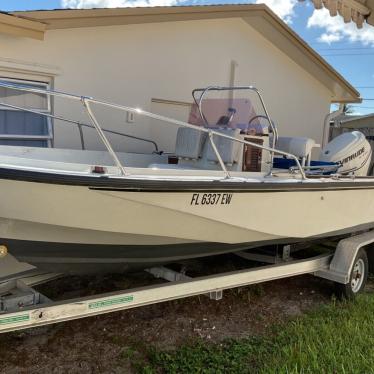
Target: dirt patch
(110, 343)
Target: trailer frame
(335, 266)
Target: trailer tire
(357, 278)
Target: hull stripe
(136, 185)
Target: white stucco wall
(132, 64)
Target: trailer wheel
(357, 279)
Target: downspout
(326, 124)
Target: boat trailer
(22, 307)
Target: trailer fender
(342, 262)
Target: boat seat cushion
(285, 163)
(298, 146)
(228, 149)
(189, 143)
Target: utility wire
(335, 43)
(347, 49)
(346, 54)
(362, 107)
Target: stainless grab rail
(86, 102)
(79, 125)
(86, 105)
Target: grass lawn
(336, 338)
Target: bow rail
(87, 101)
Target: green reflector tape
(14, 319)
(109, 302)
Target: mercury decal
(211, 199)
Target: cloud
(80, 4)
(329, 38)
(284, 9)
(335, 29)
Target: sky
(349, 50)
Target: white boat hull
(85, 226)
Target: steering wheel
(258, 116)
(270, 127)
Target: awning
(357, 11)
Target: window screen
(24, 128)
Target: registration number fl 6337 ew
(211, 198)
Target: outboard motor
(351, 150)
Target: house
(153, 58)
(354, 122)
(347, 123)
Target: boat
(232, 184)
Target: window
(24, 128)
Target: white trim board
(31, 69)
